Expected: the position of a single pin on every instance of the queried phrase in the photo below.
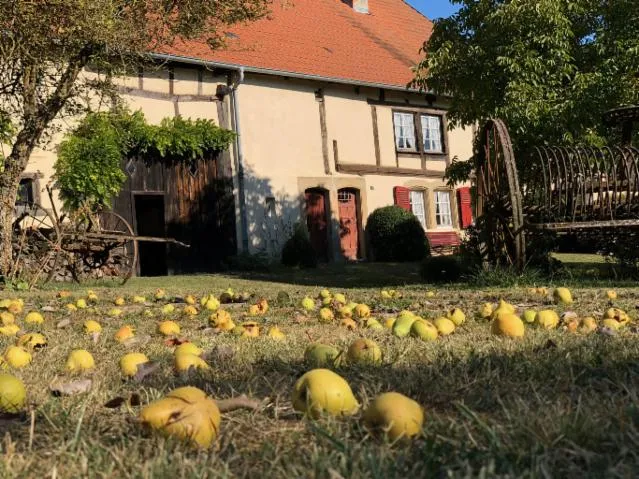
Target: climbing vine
(88, 171)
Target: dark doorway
(149, 219)
(317, 221)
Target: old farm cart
(563, 189)
(47, 246)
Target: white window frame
(443, 209)
(432, 133)
(416, 197)
(404, 124)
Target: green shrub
(396, 235)
(442, 269)
(298, 250)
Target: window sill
(428, 155)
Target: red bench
(443, 242)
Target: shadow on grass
(346, 275)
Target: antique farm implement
(563, 189)
(47, 246)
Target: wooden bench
(443, 242)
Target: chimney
(360, 6)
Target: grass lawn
(554, 403)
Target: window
(430, 127)
(432, 133)
(404, 131)
(26, 191)
(417, 206)
(443, 215)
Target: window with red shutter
(465, 207)
(402, 197)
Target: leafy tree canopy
(549, 68)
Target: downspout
(239, 160)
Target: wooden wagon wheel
(104, 248)
(36, 244)
(499, 201)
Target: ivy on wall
(88, 170)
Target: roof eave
(268, 71)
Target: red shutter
(402, 197)
(465, 207)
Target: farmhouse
(327, 131)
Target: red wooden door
(317, 223)
(348, 224)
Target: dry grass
(554, 403)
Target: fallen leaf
(49, 309)
(175, 341)
(63, 324)
(146, 369)
(59, 388)
(95, 337)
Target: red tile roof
(326, 38)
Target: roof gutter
(267, 71)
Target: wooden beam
(165, 96)
(360, 169)
(171, 81)
(378, 156)
(324, 130)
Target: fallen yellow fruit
(80, 360)
(276, 333)
(17, 357)
(509, 325)
(168, 328)
(395, 415)
(188, 348)
(124, 333)
(547, 319)
(6, 318)
(323, 391)
(129, 363)
(32, 341)
(186, 413)
(92, 326)
(9, 330)
(186, 361)
(13, 394)
(444, 326)
(562, 296)
(190, 310)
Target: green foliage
(88, 170)
(442, 269)
(458, 172)
(184, 140)
(396, 235)
(298, 250)
(549, 68)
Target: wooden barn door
(348, 222)
(317, 221)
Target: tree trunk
(36, 118)
(9, 182)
